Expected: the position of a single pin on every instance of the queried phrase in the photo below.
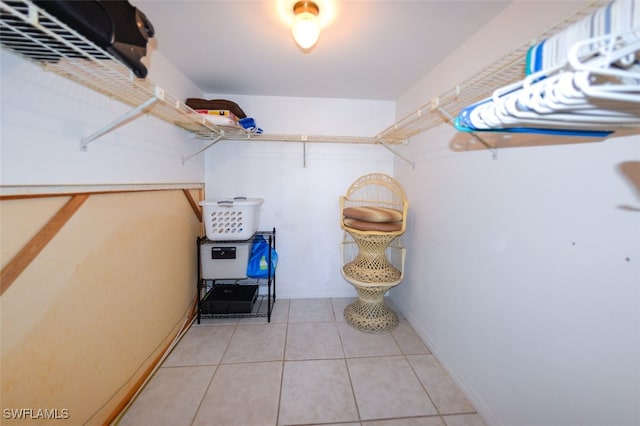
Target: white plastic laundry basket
(231, 218)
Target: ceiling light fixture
(306, 24)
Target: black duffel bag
(114, 25)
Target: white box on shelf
(231, 218)
(224, 260)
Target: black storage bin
(230, 299)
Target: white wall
(110, 260)
(45, 116)
(301, 202)
(523, 272)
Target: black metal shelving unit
(263, 306)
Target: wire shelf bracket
(397, 154)
(36, 35)
(123, 119)
(493, 150)
(199, 150)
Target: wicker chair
(373, 214)
(369, 312)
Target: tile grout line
(283, 361)
(195, 415)
(353, 392)
(406, 358)
(346, 363)
(284, 353)
(440, 414)
(407, 353)
(423, 386)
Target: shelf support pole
(117, 122)
(199, 150)
(397, 154)
(304, 154)
(304, 138)
(494, 152)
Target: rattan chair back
(376, 190)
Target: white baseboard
(346, 291)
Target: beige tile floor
(306, 367)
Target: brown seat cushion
(362, 225)
(373, 214)
(197, 103)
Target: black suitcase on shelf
(114, 25)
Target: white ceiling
(372, 49)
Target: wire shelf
(41, 38)
(509, 69)
(37, 36)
